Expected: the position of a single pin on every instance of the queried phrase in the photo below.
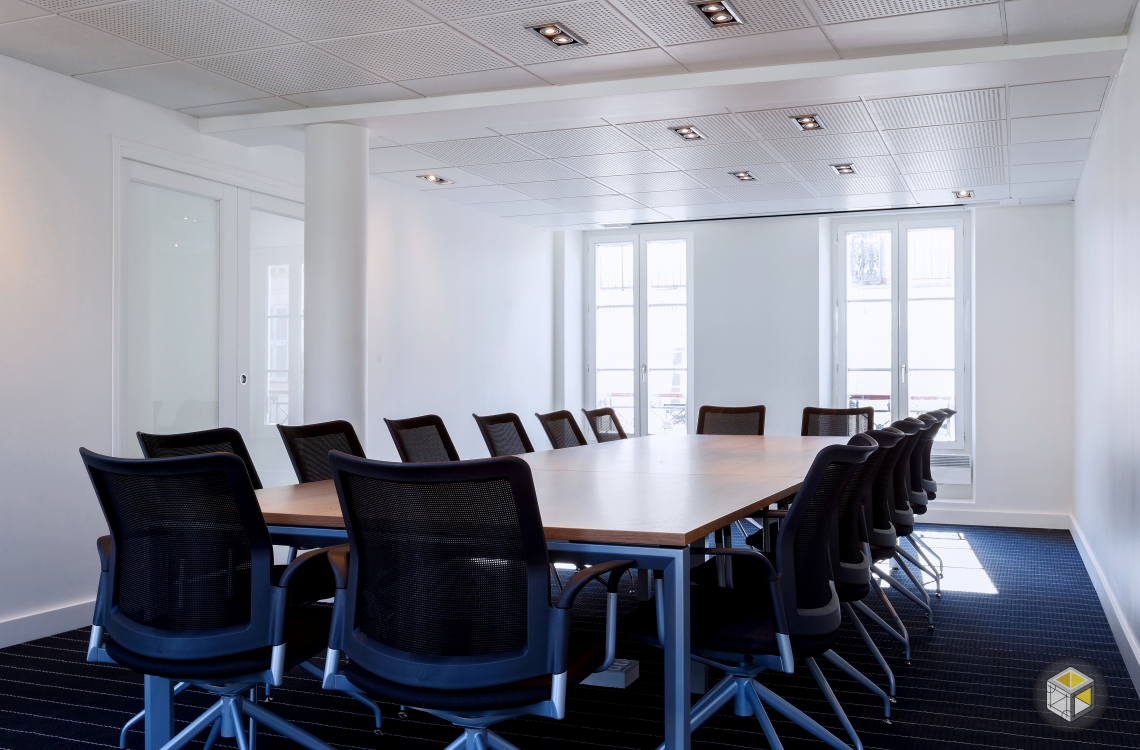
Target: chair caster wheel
(892, 699)
(402, 715)
(906, 663)
(939, 596)
(930, 627)
(377, 732)
(267, 699)
(886, 721)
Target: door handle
(902, 373)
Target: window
(902, 313)
(640, 357)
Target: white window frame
(640, 243)
(899, 225)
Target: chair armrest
(309, 564)
(338, 560)
(103, 544)
(770, 574)
(771, 513)
(573, 587)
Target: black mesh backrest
(882, 486)
(190, 555)
(220, 440)
(901, 514)
(920, 458)
(308, 447)
(802, 547)
(422, 440)
(837, 422)
(731, 420)
(561, 428)
(928, 442)
(504, 434)
(448, 582)
(848, 563)
(605, 424)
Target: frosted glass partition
(171, 313)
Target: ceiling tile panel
(950, 108)
(452, 9)
(70, 48)
(777, 48)
(248, 107)
(710, 211)
(1068, 170)
(329, 18)
(842, 11)
(525, 171)
(415, 53)
(1048, 20)
(1053, 189)
(605, 165)
(677, 22)
(941, 161)
(553, 220)
(595, 203)
(846, 117)
(829, 147)
(865, 166)
(401, 159)
(59, 6)
(596, 23)
(1058, 97)
(947, 137)
(1049, 151)
(718, 155)
(763, 173)
(860, 185)
(1053, 127)
(182, 28)
(176, 85)
(579, 141)
(288, 70)
(496, 79)
(754, 192)
(493, 150)
(479, 194)
(18, 10)
(645, 183)
(960, 178)
(515, 208)
(699, 197)
(374, 92)
(460, 178)
(562, 188)
(714, 128)
(624, 215)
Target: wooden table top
(667, 490)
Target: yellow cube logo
(1070, 693)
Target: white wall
(460, 318)
(55, 324)
(569, 317)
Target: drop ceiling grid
(293, 69)
(773, 191)
(595, 203)
(943, 161)
(842, 11)
(829, 147)
(658, 134)
(650, 183)
(763, 174)
(948, 137)
(694, 197)
(455, 9)
(718, 155)
(962, 178)
(562, 188)
(405, 54)
(524, 171)
(951, 108)
(470, 151)
(678, 22)
(844, 117)
(607, 165)
(866, 166)
(860, 185)
(334, 18)
(60, 6)
(603, 139)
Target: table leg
(158, 693)
(677, 699)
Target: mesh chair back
(880, 495)
(561, 428)
(221, 440)
(190, 555)
(731, 420)
(848, 563)
(448, 573)
(422, 440)
(837, 422)
(901, 514)
(308, 447)
(928, 482)
(605, 424)
(504, 434)
(918, 460)
(802, 547)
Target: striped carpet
(1021, 599)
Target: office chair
(561, 428)
(220, 440)
(308, 447)
(422, 440)
(758, 613)
(443, 601)
(604, 422)
(837, 422)
(188, 590)
(730, 420)
(504, 434)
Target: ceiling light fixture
(807, 122)
(843, 169)
(963, 194)
(717, 14)
(557, 34)
(743, 176)
(688, 132)
(435, 179)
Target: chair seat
(918, 508)
(587, 652)
(852, 592)
(879, 554)
(902, 529)
(306, 635)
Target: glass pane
(667, 335)
(615, 338)
(171, 313)
(614, 354)
(930, 323)
(869, 322)
(615, 389)
(614, 274)
(871, 388)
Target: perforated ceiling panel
(450, 9)
(846, 117)
(59, 6)
(604, 165)
(603, 31)
(288, 70)
(962, 178)
(700, 197)
(329, 18)
(493, 150)
(415, 53)
(865, 166)
(769, 192)
(761, 173)
(860, 186)
(943, 161)
(562, 188)
(524, 171)
(714, 128)
(826, 147)
(182, 28)
(841, 11)
(644, 183)
(579, 141)
(939, 109)
(595, 203)
(947, 137)
(676, 22)
(720, 155)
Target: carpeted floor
(1021, 599)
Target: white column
(336, 246)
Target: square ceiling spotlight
(436, 179)
(688, 133)
(843, 169)
(743, 176)
(963, 194)
(808, 122)
(718, 14)
(558, 35)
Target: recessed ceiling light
(688, 132)
(963, 194)
(843, 169)
(717, 14)
(557, 34)
(435, 179)
(807, 122)
(743, 176)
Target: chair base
(480, 738)
(225, 719)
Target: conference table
(645, 499)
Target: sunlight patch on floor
(962, 570)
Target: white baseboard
(43, 624)
(964, 512)
(1126, 639)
